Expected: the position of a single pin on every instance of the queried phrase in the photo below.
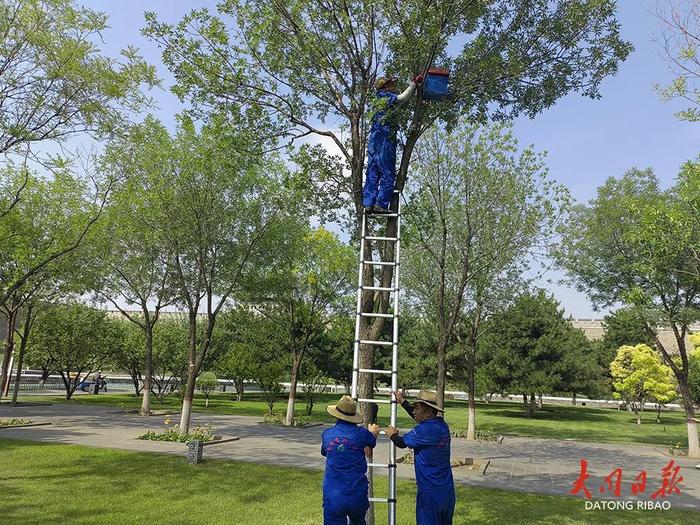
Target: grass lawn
(553, 421)
(46, 483)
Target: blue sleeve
(418, 438)
(391, 98)
(370, 440)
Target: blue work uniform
(381, 157)
(435, 500)
(345, 484)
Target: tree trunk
(206, 401)
(658, 412)
(637, 414)
(441, 354)
(239, 385)
(526, 406)
(289, 418)
(693, 443)
(9, 348)
(471, 391)
(187, 398)
(148, 372)
(533, 404)
(573, 398)
(188, 395)
(539, 402)
(18, 379)
(22, 347)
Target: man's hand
(368, 452)
(374, 429)
(390, 431)
(399, 398)
(418, 79)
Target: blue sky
(586, 140)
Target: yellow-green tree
(639, 375)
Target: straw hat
(383, 81)
(428, 397)
(345, 410)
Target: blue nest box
(435, 87)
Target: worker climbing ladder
(393, 290)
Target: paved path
(546, 466)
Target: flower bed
(203, 433)
(14, 422)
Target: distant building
(593, 328)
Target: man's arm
(398, 441)
(393, 434)
(407, 92)
(410, 89)
(408, 407)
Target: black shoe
(380, 210)
(369, 209)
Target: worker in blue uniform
(430, 441)
(345, 484)
(381, 146)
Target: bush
(277, 418)
(203, 433)
(14, 422)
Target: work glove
(418, 79)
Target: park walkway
(547, 466)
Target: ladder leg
(358, 310)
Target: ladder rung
(383, 214)
(379, 500)
(379, 343)
(373, 371)
(379, 401)
(378, 288)
(378, 465)
(373, 238)
(380, 263)
(372, 314)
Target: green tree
(524, 347)
(40, 236)
(636, 244)
(625, 327)
(333, 350)
(268, 375)
(223, 218)
(580, 371)
(680, 46)
(639, 375)
(129, 356)
(237, 365)
(477, 211)
(313, 67)
(317, 278)
(55, 80)
(77, 338)
(170, 344)
(130, 260)
(207, 383)
(694, 369)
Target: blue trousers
(435, 507)
(379, 184)
(338, 508)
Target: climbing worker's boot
(379, 209)
(369, 209)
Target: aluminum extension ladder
(394, 343)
